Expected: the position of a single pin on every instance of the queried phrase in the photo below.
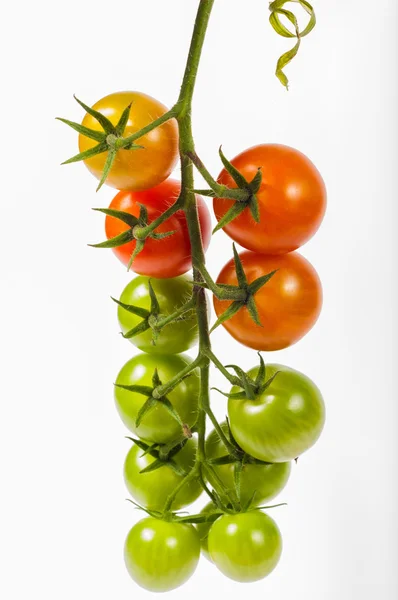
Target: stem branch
(221, 191)
(123, 142)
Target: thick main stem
(187, 147)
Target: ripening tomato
(153, 488)
(246, 546)
(158, 425)
(291, 200)
(283, 421)
(167, 257)
(171, 294)
(258, 483)
(137, 169)
(159, 555)
(288, 305)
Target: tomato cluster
(291, 202)
(274, 412)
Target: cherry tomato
(288, 305)
(167, 257)
(282, 422)
(263, 481)
(158, 425)
(174, 338)
(160, 556)
(291, 200)
(246, 546)
(204, 528)
(138, 169)
(153, 488)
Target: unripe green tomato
(204, 528)
(159, 555)
(282, 422)
(175, 337)
(158, 425)
(246, 546)
(264, 481)
(152, 489)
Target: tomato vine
(239, 291)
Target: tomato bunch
(267, 297)
(291, 202)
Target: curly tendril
(277, 11)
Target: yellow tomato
(138, 169)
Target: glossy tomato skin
(157, 425)
(284, 421)
(167, 257)
(174, 338)
(266, 481)
(152, 489)
(288, 305)
(138, 169)
(291, 199)
(204, 528)
(160, 556)
(245, 547)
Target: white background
(63, 516)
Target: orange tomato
(291, 199)
(138, 169)
(288, 305)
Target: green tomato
(160, 556)
(158, 425)
(282, 422)
(153, 488)
(176, 337)
(259, 483)
(246, 546)
(204, 528)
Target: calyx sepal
(249, 291)
(251, 187)
(153, 399)
(134, 233)
(109, 140)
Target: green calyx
(251, 388)
(244, 195)
(246, 295)
(110, 140)
(163, 455)
(154, 398)
(250, 187)
(139, 230)
(177, 517)
(153, 319)
(277, 11)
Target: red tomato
(292, 200)
(167, 257)
(288, 305)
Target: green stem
(163, 390)
(222, 489)
(230, 447)
(173, 316)
(221, 191)
(183, 483)
(220, 292)
(143, 232)
(123, 142)
(231, 378)
(205, 487)
(198, 36)
(186, 148)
